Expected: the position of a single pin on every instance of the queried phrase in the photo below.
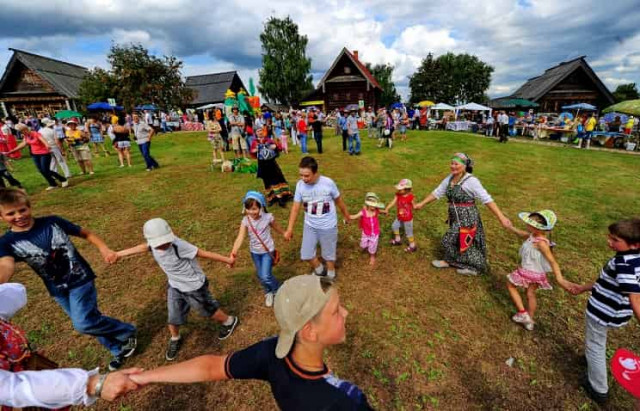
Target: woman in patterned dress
(464, 249)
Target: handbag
(275, 255)
(466, 235)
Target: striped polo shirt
(609, 302)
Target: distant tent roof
(211, 87)
(580, 106)
(508, 102)
(64, 77)
(473, 107)
(537, 87)
(442, 106)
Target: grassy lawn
(418, 338)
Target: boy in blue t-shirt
(615, 297)
(44, 244)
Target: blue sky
(519, 38)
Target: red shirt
(37, 147)
(302, 127)
(404, 203)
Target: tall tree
(383, 73)
(626, 92)
(451, 78)
(136, 77)
(284, 76)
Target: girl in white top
(258, 223)
(536, 261)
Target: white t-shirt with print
(263, 227)
(318, 202)
(180, 265)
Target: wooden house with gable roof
(35, 85)
(347, 81)
(210, 88)
(567, 83)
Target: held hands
(110, 256)
(117, 384)
(288, 235)
(231, 260)
(506, 223)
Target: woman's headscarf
(463, 159)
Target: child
(369, 225)
(319, 197)
(258, 223)
(5, 174)
(188, 286)
(615, 297)
(311, 319)
(536, 261)
(44, 244)
(214, 128)
(301, 127)
(405, 203)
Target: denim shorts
(327, 238)
(179, 303)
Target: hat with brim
(625, 368)
(297, 301)
(255, 195)
(372, 200)
(404, 184)
(72, 121)
(548, 216)
(158, 232)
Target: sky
(519, 38)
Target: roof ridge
(565, 62)
(46, 58)
(212, 74)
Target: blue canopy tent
(150, 107)
(100, 105)
(580, 106)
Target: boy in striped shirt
(615, 297)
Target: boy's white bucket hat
(298, 300)
(157, 232)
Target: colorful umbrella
(426, 103)
(147, 107)
(631, 107)
(397, 105)
(611, 116)
(65, 114)
(566, 114)
(580, 106)
(103, 106)
(352, 107)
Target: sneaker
(440, 264)
(331, 275)
(524, 319)
(227, 330)
(268, 299)
(121, 165)
(466, 271)
(598, 397)
(529, 326)
(91, 173)
(148, 169)
(65, 184)
(130, 347)
(50, 188)
(116, 363)
(172, 351)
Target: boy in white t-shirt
(188, 286)
(318, 196)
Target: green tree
(451, 78)
(136, 77)
(626, 92)
(284, 76)
(383, 73)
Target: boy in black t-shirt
(311, 319)
(44, 244)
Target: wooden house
(35, 85)
(567, 83)
(346, 82)
(210, 88)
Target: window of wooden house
(348, 96)
(360, 96)
(347, 70)
(335, 96)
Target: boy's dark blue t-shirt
(294, 388)
(47, 249)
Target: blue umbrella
(580, 106)
(147, 107)
(103, 106)
(566, 114)
(609, 117)
(397, 105)
(352, 107)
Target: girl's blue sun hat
(259, 197)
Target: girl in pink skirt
(536, 261)
(369, 225)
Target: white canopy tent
(442, 106)
(472, 107)
(212, 105)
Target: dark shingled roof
(64, 77)
(361, 67)
(210, 88)
(536, 87)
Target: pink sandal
(411, 249)
(396, 242)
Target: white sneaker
(524, 319)
(268, 299)
(50, 188)
(331, 275)
(65, 184)
(466, 271)
(91, 173)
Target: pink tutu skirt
(524, 278)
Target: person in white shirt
(55, 148)
(54, 388)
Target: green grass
(418, 338)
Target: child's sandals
(411, 249)
(396, 242)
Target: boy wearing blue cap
(258, 223)
(188, 286)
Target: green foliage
(383, 73)
(626, 92)
(284, 76)
(451, 78)
(136, 77)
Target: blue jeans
(145, 150)
(303, 142)
(81, 306)
(263, 263)
(354, 140)
(43, 164)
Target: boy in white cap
(188, 285)
(311, 319)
